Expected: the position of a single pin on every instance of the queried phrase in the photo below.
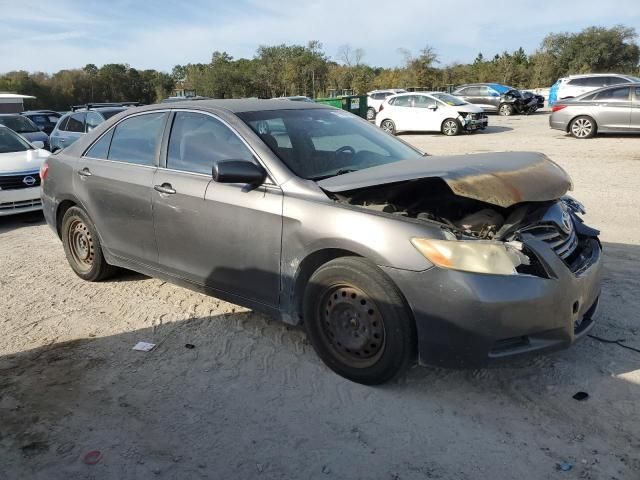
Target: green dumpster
(356, 104)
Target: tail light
(381, 107)
(44, 171)
(557, 108)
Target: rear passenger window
(76, 123)
(618, 94)
(198, 140)
(100, 149)
(135, 140)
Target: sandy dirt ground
(252, 400)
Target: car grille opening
(564, 244)
(23, 180)
(9, 206)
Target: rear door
(613, 108)
(223, 236)
(114, 181)
(400, 112)
(73, 130)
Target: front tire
(388, 126)
(583, 127)
(82, 246)
(358, 322)
(505, 110)
(451, 127)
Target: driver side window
(198, 140)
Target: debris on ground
(144, 346)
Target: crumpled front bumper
(468, 319)
(470, 124)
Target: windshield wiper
(342, 171)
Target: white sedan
(429, 112)
(20, 163)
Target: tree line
(280, 70)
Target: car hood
(22, 162)
(467, 108)
(502, 179)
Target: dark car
(82, 119)
(530, 95)
(316, 216)
(493, 97)
(24, 127)
(45, 119)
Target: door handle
(62, 140)
(165, 188)
(85, 172)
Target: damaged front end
(483, 228)
(473, 121)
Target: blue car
(24, 127)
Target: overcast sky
(50, 35)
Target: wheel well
(307, 267)
(62, 209)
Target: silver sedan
(608, 110)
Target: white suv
(375, 98)
(576, 85)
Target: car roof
(38, 112)
(586, 75)
(10, 115)
(236, 105)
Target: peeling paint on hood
(503, 179)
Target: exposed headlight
(473, 255)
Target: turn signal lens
(472, 255)
(44, 171)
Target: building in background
(12, 102)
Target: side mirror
(38, 144)
(238, 171)
(433, 107)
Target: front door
(223, 236)
(635, 109)
(114, 180)
(613, 110)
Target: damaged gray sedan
(386, 255)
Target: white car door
(427, 114)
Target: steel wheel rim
(352, 326)
(505, 110)
(387, 126)
(582, 127)
(450, 127)
(81, 244)
(371, 114)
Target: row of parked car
(464, 110)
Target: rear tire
(505, 110)
(82, 246)
(451, 127)
(583, 127)
(358, 322)
(388, 126)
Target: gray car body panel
(611, 116)
(252, 245)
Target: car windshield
(10, 142)
(634, 79)
(449, 99)
(322, 143)
(19, 124)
